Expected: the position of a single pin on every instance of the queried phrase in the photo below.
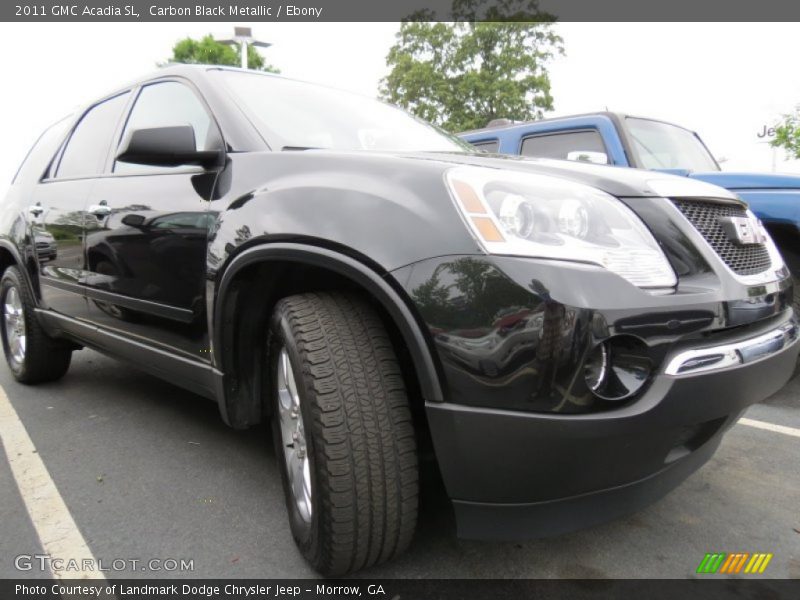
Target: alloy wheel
(14, 316)
(295, 450)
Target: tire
(796, 304)
(41, 358)
(787, 247)
(355, 430)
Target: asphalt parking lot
(147, 470)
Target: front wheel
(343, 432)
(788, 246)
(32, 355)
(796, 282)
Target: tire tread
(367, 471)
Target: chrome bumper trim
(702, 360)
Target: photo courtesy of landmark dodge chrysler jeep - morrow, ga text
(623, 140)
(572, 340)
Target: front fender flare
(381, 289)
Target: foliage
(207, 51)
(462, 294)
(787, 134)
(462, 75)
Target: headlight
(522, 214)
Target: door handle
(100, 210)
(35, 209)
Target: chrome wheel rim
(293, 436)
(15, 325)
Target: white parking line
(771, 427)
(51, 518)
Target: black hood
(618, 181)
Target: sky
(725, 80)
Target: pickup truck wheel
(31, 354)
(796, 304)
(343, 433)
(792, 258)
(787, 245)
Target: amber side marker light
(487, 229)
(469, 200)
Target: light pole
(243, 37)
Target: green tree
(462, 75)
(207, 51)
(787, 134)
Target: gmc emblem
(743, 230)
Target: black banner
(401, 589)
(381, 10)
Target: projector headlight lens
(516, 215)
(573, 219)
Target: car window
(560, 145)
(39, 156)
(169, 104)
(666, 146)
(488, 146)
(87, 148)
(294, 115)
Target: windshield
(664, 146)
(297, 115)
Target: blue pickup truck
(626, 141)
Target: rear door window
(87, 148)
(35, 164)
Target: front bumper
(520, 456)
(516, 475)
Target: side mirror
(166, 147)
(598, 158)
(133, 220)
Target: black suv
(573, 339)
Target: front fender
(361, 215)
(393, 210)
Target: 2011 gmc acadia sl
(573, 339)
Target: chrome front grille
(747, 259)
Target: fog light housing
(617, 368)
